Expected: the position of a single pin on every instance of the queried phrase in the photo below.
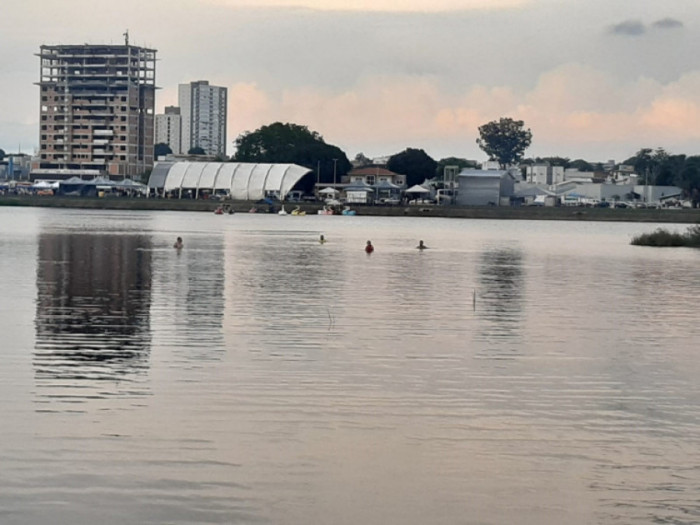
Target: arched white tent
(242, 181)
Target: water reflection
(281, 286)
(189, 292)
(92, 316)
(499, 300)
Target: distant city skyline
(594, 80)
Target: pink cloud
(568, 109)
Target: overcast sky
(593, 79)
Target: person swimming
(322, 239)
(421, 246)
(178, 243)
(368, 247)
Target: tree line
(504, 140)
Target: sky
(594, 79)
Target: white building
(169, 129)
(203, 109)
(544, 174)
(575, 174)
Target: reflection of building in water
(92, 320)
(501, 290)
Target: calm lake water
(515, 373)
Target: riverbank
(684, 216)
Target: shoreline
(681, 216)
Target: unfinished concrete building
(97, 108)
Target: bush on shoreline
(664, 238)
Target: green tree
(555, 161)
(161, 150)
(453, 161)
(295, 144)
(361, 160)
(669, 170)
(196, 150)
(644, 164)
(689, 179)
(655, 166)
(504, 140)
(581, 165)
(416, 164)
(2, 153)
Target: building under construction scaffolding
(97, 108)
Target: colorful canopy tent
(241, 181)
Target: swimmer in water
(369, 248)
(322, 239)
(421, 246)
(178, 244)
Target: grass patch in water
(664, 238)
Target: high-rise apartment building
(97, 108)
(203, 111)
(169, 129)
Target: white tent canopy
(417, 189)
(242, 181)
(328, 191)
(45, 185)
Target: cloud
(628, 28)
(667, 23)
(637, 28)
(573, 110)
(378, 5)
(425, 74)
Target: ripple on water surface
(514, 372)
